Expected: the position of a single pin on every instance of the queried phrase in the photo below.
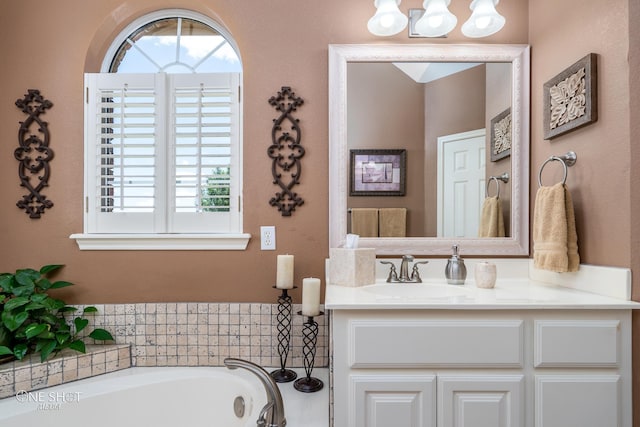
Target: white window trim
(219, 241)
(160, 242)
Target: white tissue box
(352, 267)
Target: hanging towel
(393, 222)
(555, 241)
(491, 219)
(364, 222)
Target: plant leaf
(49, 268)
(90, 309)
(13, 322)
(62, 337)
(60, 284)
(80, 323)
(16, 302)
(6, 283)
(78, 345)
(67, 309)
(39, 297)
(5, 350)
(43, 284)
(20, 350)
(27, 277)
(35, 329)
(101, 335)
(47, 347)
(53, 304)
(24, 290)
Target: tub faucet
(272, 414)
(405, 277)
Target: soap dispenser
(455, 272)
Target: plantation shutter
(162, 153)
(205, 151)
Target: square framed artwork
(570, 98)
(501, 135)
(377, 172)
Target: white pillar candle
(310, 296)
(284, 272)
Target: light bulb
(437, 20)
(388, 19)
(484, 20)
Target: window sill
(162, 242)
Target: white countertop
(518, 288)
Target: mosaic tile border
(204, 334)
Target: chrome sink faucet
(272, 414)
(404, 277)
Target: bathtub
(167, 396)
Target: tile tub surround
(171, 334)
(29, 374)
(204, 334)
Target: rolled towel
(364, 222)
(393, 222)
(555, 241)
(492, 218)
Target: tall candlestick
(310, 296)
(284, 272)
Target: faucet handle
(415, 273)
(393, 274)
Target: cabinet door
(577, 400)
(480, 400)
(389, 400)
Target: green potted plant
(31, 321)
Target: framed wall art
(570, 98)
(501, 135)
(377, 172)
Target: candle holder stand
(283, 317)
(309, 384)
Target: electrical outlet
(268, 238)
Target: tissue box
(352, 267)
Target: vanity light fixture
(435, 20)
(388, 19)
(485, 19)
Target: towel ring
(504, 178)
(567, 160)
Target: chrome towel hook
(567, 161)
(504, 178)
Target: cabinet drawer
(576, 343)
(435, 343)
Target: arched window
(163, 138)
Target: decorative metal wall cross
(286, 151)
(33, 153)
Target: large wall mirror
(459, 115)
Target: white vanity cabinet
(484, 368)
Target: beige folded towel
(364, 222)
(555, 241)
(492, 218)
(392, 222)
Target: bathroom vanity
(533, 351)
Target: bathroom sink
(415, 290)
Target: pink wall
(389, 115)
(45, 45)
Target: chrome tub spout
(272, 415)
